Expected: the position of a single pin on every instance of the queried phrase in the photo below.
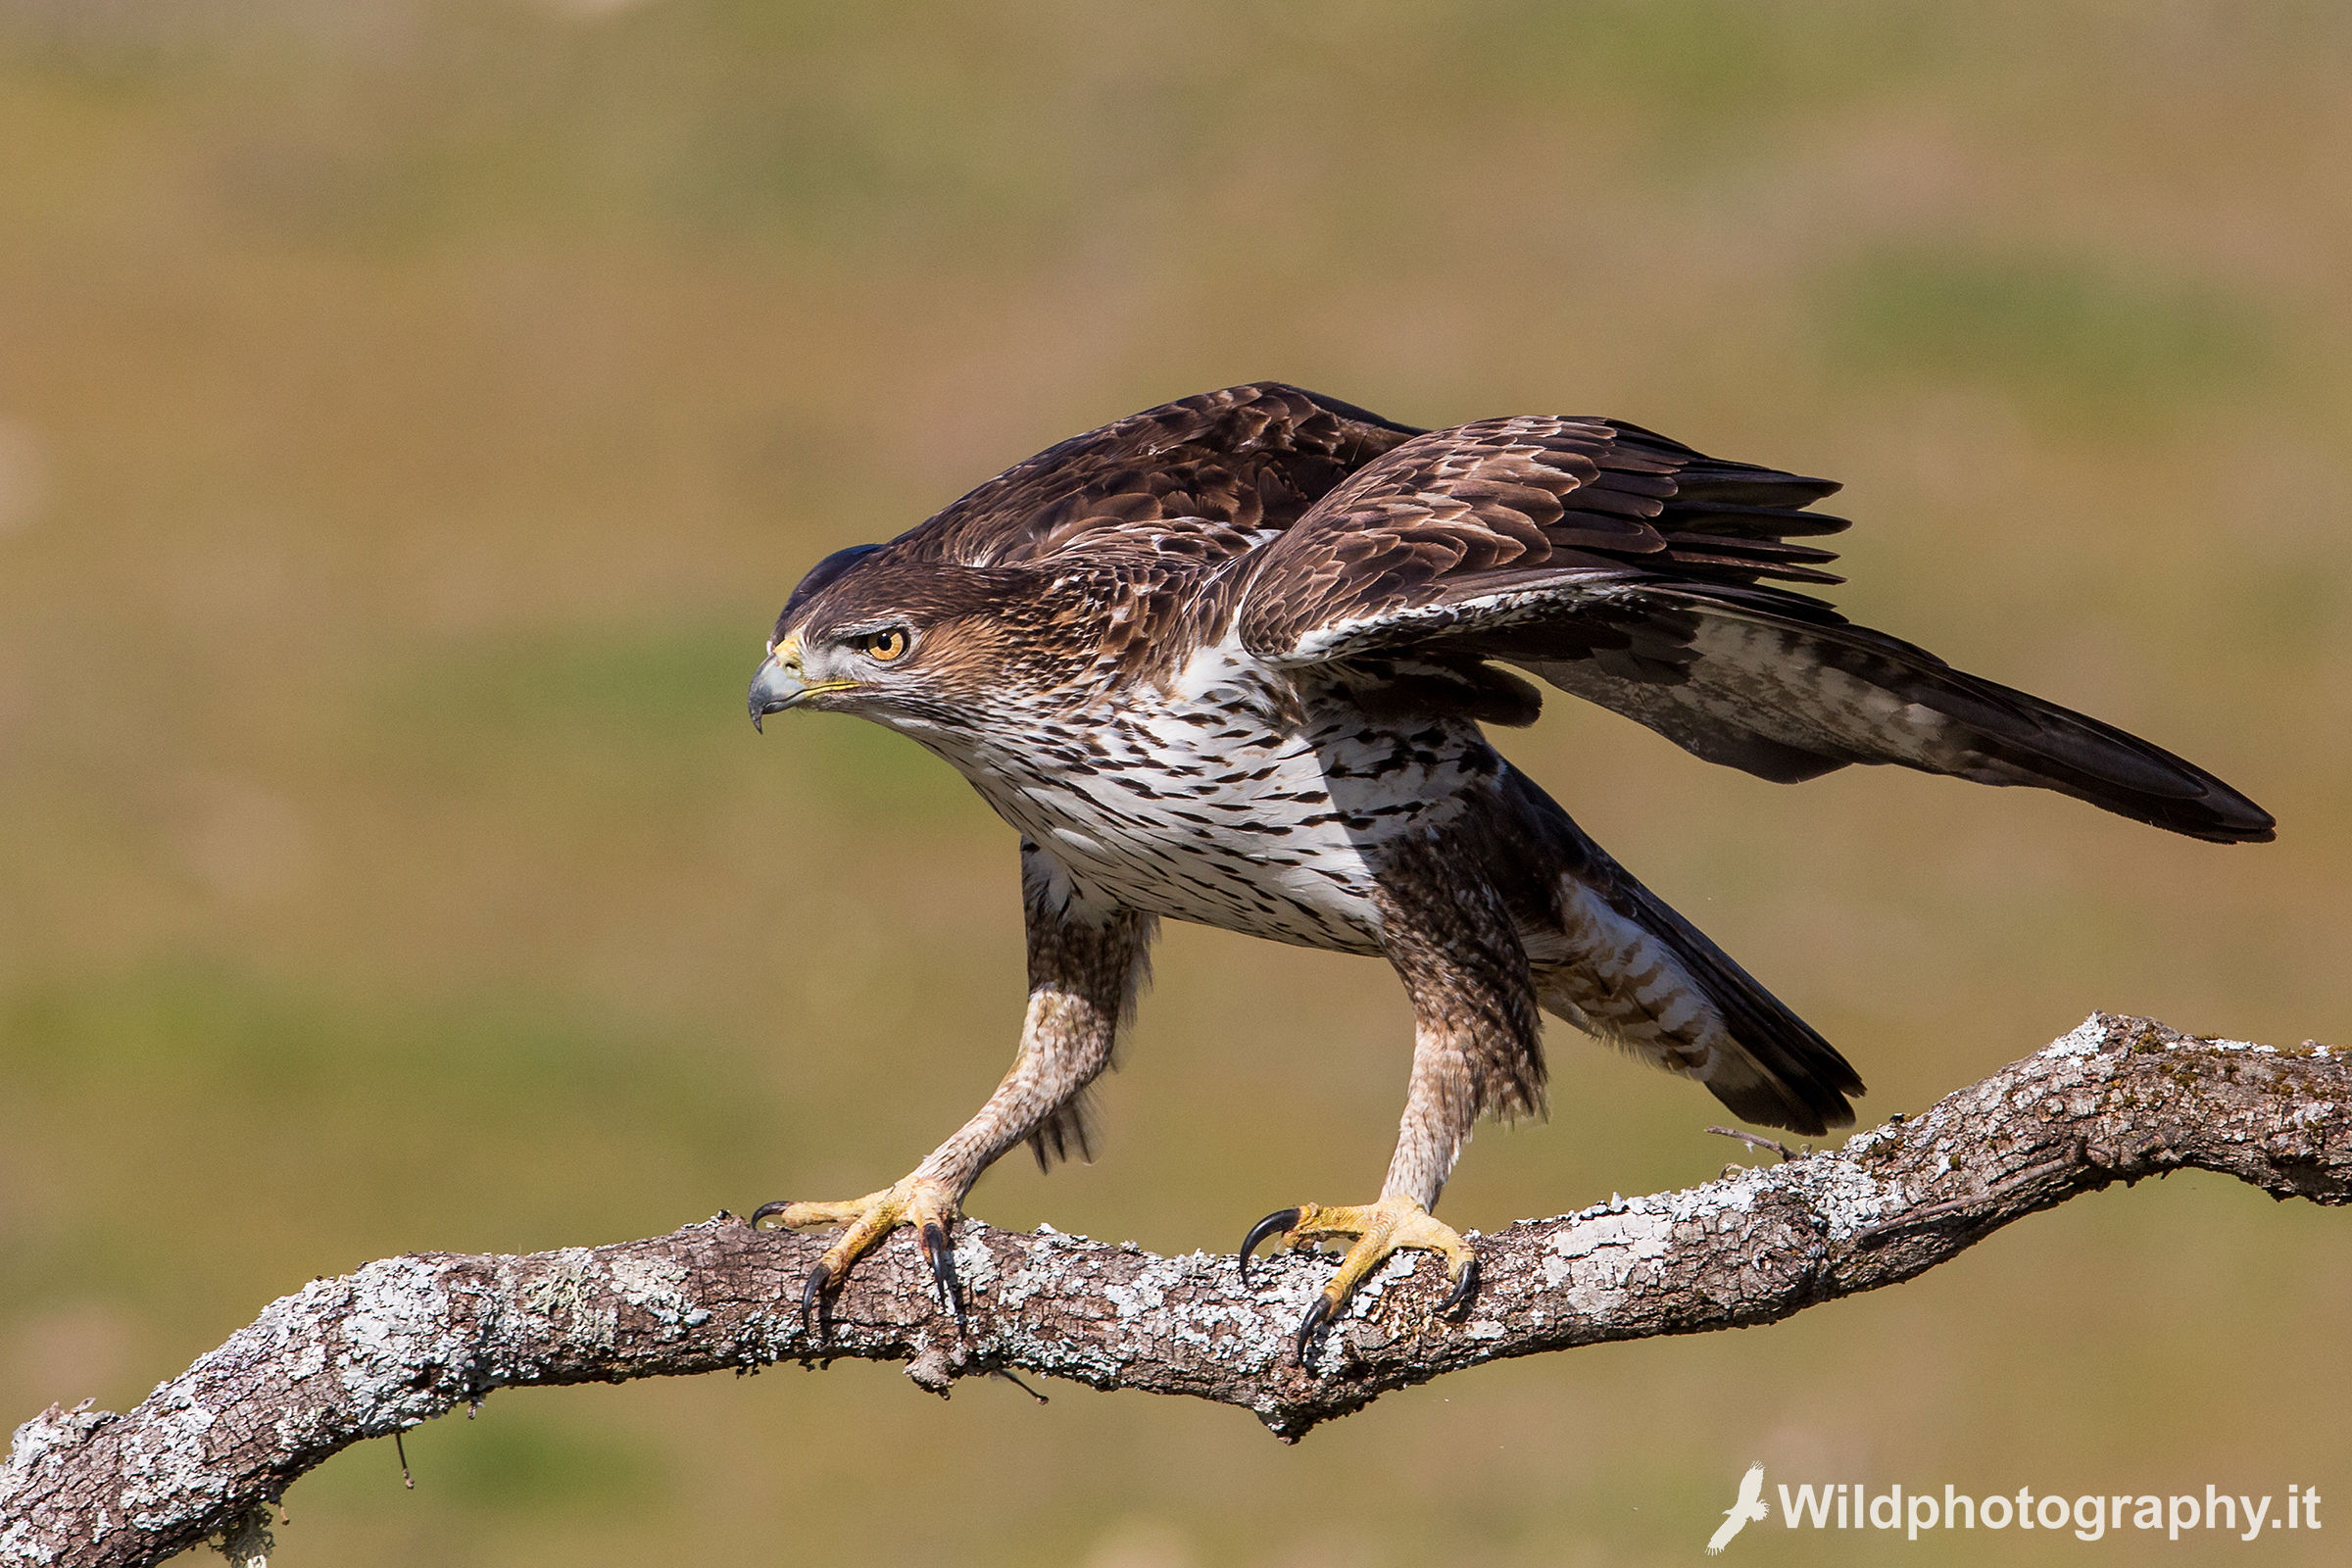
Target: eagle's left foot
(1391, 1225)
(924, 1204)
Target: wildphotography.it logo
(1850, 1505)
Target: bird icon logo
(1750, 1506)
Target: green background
(412, 416)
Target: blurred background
(412, 416)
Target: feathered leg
(1476, 1045)
(1086, 966)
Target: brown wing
(1456, 525)
(1205, 476)
(1627, 569)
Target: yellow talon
(917, 1200)
(1392, 1225)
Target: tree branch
(407, 1338)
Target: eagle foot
(917, 1202)
(1392, 1225)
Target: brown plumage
(1227, 660)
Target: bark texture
(403, 1340)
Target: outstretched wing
(1207, 477)
(1628, 569)
(1472, 525)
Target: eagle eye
(884, 646)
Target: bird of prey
(1746, 1510)
(1231, 661)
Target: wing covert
(1495, 521)
(1205, 476)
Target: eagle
(1233, 661)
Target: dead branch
(407, 1338)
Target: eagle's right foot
(1392, 1225)
(917, 1200)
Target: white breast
(1233, 799)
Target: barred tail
(1619, 964)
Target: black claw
(1281, 1219)
(1462, 1289)
(766, 1210)
(1316, 1316)
(812, 1300)
(942, 1257)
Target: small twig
(1756, 1141)
(1023, 1387)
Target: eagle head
(875, 631)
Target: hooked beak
(776, 687)
(782, 683)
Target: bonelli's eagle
(1228, 661)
